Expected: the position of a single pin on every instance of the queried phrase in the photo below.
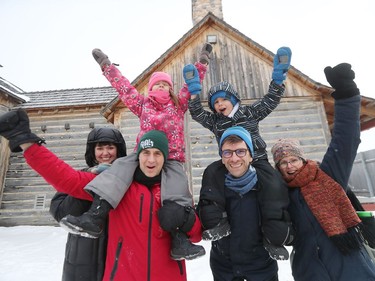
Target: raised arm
(126, 92)
(15, 127)
(342, 150)
(281, 64)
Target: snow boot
(219, 231)
(91, 223)
(182, 248)
(205, 55)
(276, 252)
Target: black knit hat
(154, 139)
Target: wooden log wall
(27, 196)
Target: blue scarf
(243, 184)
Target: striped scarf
(329, 204)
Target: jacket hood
(103, 135)
(230, 93)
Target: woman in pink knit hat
(160, 110)
(330, 237)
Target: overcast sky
(46, 44)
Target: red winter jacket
(138, 249)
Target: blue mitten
(281, 64)
(99, 168)
(192, 80)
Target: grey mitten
(101, 58)
(15, 127)
(205, 54)
(341, 77)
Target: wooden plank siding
(23, 187)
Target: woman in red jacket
(138, 248)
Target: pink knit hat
(286, 147)
(159, 76)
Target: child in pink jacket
(160, 110)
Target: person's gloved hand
(173, 216)
(15, 127)
(205, 55)
(101, 58)
(341, 77)
(281, 64)
(99, 168)
(192, 80)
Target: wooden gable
(305, 112)
(242, 62)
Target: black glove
(341, 78)
(15, 127)
(173, 216)
(210, 214)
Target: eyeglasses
(293, 162)
(241, 152)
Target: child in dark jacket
(227, 111)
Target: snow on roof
(12, 90)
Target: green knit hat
(154, 139)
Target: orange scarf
(329, 204)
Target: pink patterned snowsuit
(168, 118)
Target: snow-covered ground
(36, 253)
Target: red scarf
(329, 204)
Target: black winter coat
(242, 252)
(84, 257)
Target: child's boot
(91, 223)
(222, 229)
(205, 54)
(276, 252)
(182, 248)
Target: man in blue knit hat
(234, 189)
